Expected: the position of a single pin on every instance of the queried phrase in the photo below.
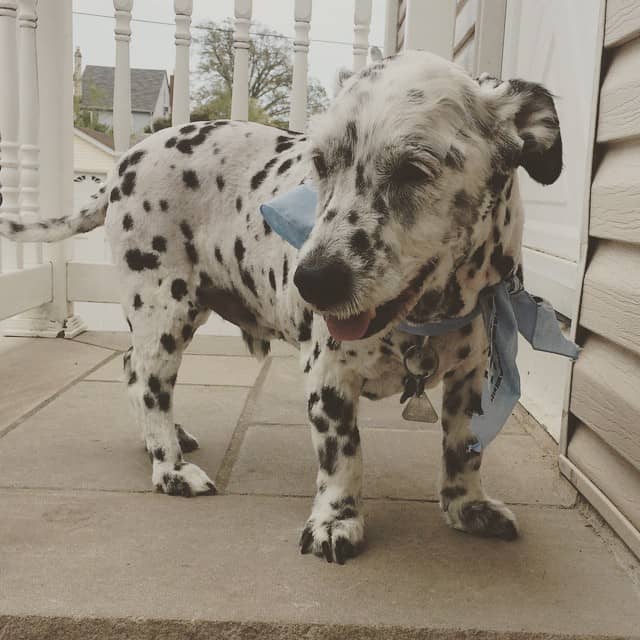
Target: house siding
(87, 158)
(603, 432)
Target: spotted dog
(418, 212)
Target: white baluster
(9, 169)
(298, 112)
(122, 80)
(183, 9)
(29, 114)
(240, 92)
(390, 28)
(361, 22)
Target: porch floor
(87, 550)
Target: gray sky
(152, 45)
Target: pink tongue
(352, 328)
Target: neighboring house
(93, 160)
(150, 95)
(581, 245)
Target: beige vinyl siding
(603, 438)
(88, 158)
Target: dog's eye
(409, 173)
(320, 164)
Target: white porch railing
(36, 150)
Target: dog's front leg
(335, 529)
(462, 497)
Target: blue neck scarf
(507, 309)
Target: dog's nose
(324, 282)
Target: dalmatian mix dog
(418, 212)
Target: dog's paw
(188, 443)
(182, 479)
(488, 518)
(333, 539)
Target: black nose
(324, 282)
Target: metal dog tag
(420, 409)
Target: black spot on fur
(320, 424)
(258, 179)
(168, 342)
(187, 232)
(187, 332)
(320, 164)
(327, 455)
(218, 255)
(159, 243)
(330, 215)
(463, 352)
(149, 401)
(164, 401)
(361, 245)
(266, 227)
(238, 204)
(190, 179)
(220, 182)
(139, 261)
(154, 384)
(127, 222)
(360, 182)
(128, 183)
(115, 194)
(133, 378)
(283, 146)
(504, 265)
(304, 328)
(164, 205)
(272, 279)
(137, 301)
(285, 166)
(146, 205)
(239, 250)
(178, 289)
(248, 281)
(455, 159)
(188, 128)
(285, 271)
(171, 142)
(192, 252)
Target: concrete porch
(87, 550)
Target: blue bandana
(507, 309)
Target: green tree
(270, 75)
(87, 118)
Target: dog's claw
(326, 551)
(306, 540)
(343, 550)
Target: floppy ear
(536, 121)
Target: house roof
(97, 87)
(103, 138)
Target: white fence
(36, 152)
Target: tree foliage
(270, 74)
(87, 118)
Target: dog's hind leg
(335, 529)
(462, 498)
(160, 336)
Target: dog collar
(507, 309)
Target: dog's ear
(341, 77)
(531, 109)
(537, 124)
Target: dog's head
(405, 160)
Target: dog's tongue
(352, 328)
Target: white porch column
(361, 26)
(9, 167)
(29, 114)
(429, 26)
(240, 92)
(298, 111)
(180, 109)
(390, 28)
(55, 72)
(122, 79)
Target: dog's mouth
(371, 321)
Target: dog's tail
(92, 215)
